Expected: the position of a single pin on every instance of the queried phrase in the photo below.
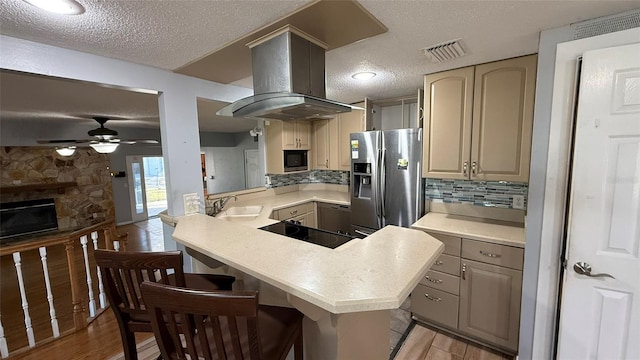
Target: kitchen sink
(240, 213)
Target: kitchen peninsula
(345, 293)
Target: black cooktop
(315, 236)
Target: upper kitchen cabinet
(395, 113)
(448, 102)
(284, 135)
(320, 145)
(348, 123)
(331, 145)
(296, 135)
(478, 121)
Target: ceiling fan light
(66, 151)
(65, 7)
(104, 147)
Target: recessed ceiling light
(65, 7)
(363, 75)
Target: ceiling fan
(105, 141)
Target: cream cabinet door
(289, 137)
(321, 144)
(303, 134)
(490, 303)
(503, 119)
(448, 100)
(348, 123)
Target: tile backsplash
(479, 193)
(309, 177)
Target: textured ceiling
(169, 34)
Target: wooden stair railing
(62, 265)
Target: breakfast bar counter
(346, 292)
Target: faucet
(219, 204)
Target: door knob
(583, 268)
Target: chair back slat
(217, 337)
(225, 320)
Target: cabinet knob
(465, 166)
(473, 168)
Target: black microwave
(295, 160)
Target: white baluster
(25, 305)
(101, 296)
(116, 245)
(92, 301)
(52, 310)
(4, 349)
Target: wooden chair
(123, 272)
(220, 325)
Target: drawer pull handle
(464, 271)
(488, 254)
(432, 299)
(435, 281)
(293, 212)
(438, 262)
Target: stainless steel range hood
(288, 79)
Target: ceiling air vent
(445, 51)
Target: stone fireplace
(80, 185)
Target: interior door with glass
(136, 188)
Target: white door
(136, 188)
(251, 169)
(600, 316)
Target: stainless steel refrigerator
(386, 179)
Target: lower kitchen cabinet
(435, 305)
(473, 289)
(490, 303)
(304, 213)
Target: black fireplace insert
(27, 217)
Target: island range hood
(288, 79)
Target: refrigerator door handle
(378, 198)
(383, 185)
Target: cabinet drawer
(447, 264)
(507, 256)
(442, 281)
(435, 305)
(293, 211)
(451, 243)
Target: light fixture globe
(364, 75)
(104, 147)
(66, 151)
(64, 7)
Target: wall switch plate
(518, 202)
(191, 203)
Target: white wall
(228, 163)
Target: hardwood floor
(424, 343)
(101, 339)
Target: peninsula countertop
(374, 273)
